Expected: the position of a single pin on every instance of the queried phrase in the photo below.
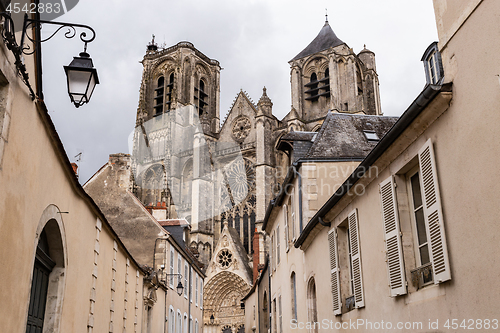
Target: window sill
(427, 293)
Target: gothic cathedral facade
(220, 177)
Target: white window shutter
(357, 275)
(285, 218)
(433, 214)
(335, 273)
(393, 245)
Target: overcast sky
(253, 40)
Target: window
(186, 271)
(196, 290)
(426, 223)
(196, 326)
(201, 293)
(190, 324)
(292, 214)
(171, 279)
(185, 323)
(286, 231)
(274, 312)
(345, 265)
(200, 97)
(179, 268)
(293, 283)
(171, 320)
(278, 245)
(432, 64)
(179, 322)
(371, 136)
(311, 88)
(191, 285)
(170, 88)
(312, 308)
(158, 99)
(280, 317)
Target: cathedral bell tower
(327, 74)
(177, 76)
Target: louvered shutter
(393, 246)
(357, 275)
(334, 273)
(285, 218)
(438, 252)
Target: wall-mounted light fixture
(81, 74)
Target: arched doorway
(47, 285)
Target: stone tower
(327, 74)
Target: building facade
(400, 244)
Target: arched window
(171, 320)
(186, 187)
(170, 88)
(293, 284)
(200, 97)
(158, 99)
(179, 322)
(312, 310)
(327, 72)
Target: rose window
(241, 128)
(225, 258)
(240, 176)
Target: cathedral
(221, 176)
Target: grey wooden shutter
(334, 273)
(393, 246)
(433, 214)
(357, 275)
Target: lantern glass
(82, 79)
(180, 288)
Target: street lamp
(82, 78)
(212, 319)
(81, 74)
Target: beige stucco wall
(466, 154)
(36, 188)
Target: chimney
(256, 254)
(75, 168)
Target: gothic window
(170, 88)
(200, 97)
(359, 81)
(241, 178)
(246, 232)
(252, 228)
(312, 90)
(186, 188)
(158, 99)
(152, 184)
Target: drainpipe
(190, 297)
(270, 304)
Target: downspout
(190, 297)
(165, 315)
(270, 304)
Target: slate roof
(341, 136)
(324, 40)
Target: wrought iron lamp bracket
(9, 38)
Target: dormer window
(200, 97)
(432, 64)
(371, 135)
(158, 99)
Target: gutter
(417, 106)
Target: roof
(324, 40)
(429, 93)
(342, 136)
(173, 222)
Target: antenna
(78, 157)
(326, 15)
